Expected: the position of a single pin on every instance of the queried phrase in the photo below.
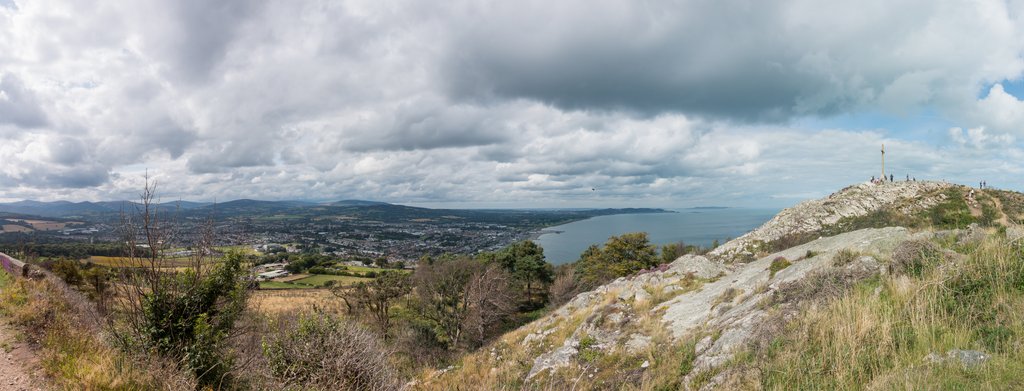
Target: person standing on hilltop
(892, 178)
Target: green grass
(320, 279)
(5, 279)
(280, 285)
(777, 265)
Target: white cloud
(484, 101)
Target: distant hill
(64, 209)
(356, 203)
(356, 209)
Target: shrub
(67, 270)
(321, 352)
(71, 348)
(620, 256)
(912, 256)
(820, 286)
(564, 287)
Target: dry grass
(876, 335)
(273, 302)
(117, 262)
(71, 342)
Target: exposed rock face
(854, 201)
(967, 358)
(727, 300)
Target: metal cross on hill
(883, 161)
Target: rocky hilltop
(694, 315)
(813, 216)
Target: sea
(697, 226)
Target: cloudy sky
(505, 103)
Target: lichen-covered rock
(973, 234)
(560, 357)
(637, 343)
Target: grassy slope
(72, 352)
(877, 336)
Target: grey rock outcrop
(811, 216)
(728, 302)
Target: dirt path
(973, 205)
(999, 206)
(19, 365)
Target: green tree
(377, 297)
(620, 256)
(670, 252)
(525, 261)
(464, 299)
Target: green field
(320, 279)
(280, 285)
(310, 282)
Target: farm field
(123, 261)
(292, 277)
(46, 225)
(15, 228)
(309, 281)
(320, 279)
(280, 285)
(289, 300)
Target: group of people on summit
(891, 178)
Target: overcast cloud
(501, 103)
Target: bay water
(697, 226)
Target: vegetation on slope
(952, 213)
(72, 346)
(880, 333)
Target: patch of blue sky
(926, 125)
(1013, 87)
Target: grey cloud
(19, 106)
(232, 154)
(747, 61)
(193, 36)
(421, 125)
(519, 103)
(58, 177)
